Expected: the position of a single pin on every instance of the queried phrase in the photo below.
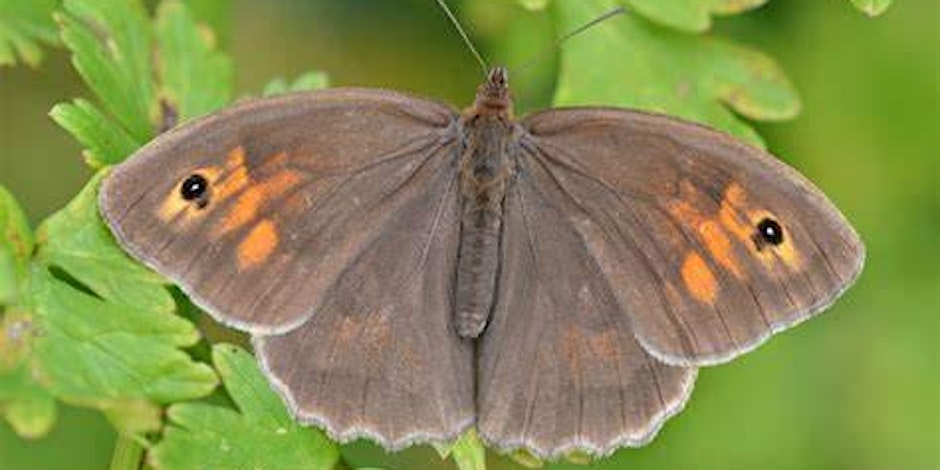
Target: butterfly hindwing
(380, 358)
(559, 366)
(672, 213)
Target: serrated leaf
(106, 142)
(16, 246)
(111, 48)
(24, 27)
(872, 7)
(689, 15)
(259, 434)
(630, 62)
(195, 78)
(108, 336)
(306, 82)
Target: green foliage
(16, 245)
(689, 15)
(111, 51)
(467, 451)
(110, 338)
(24, 25)
(259, 434)
(111, 44)
(656, 69)
(24, 403)
(695, 15)
(90, 325)
(196, 79)
(105, 141)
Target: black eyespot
(769, 231)
(195, 188)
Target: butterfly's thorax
(485, 173)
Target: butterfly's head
(493, 95)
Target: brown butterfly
(408, 270)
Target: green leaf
(24, 26)
(305, 82)
(108, 336)
(872, 7)
(689, 15)
(24, 403)
(693, 16)
(16, 247)
(259, 434)
(106, 143)
(467, 451)
(76, 240)
(630, 62)
(111, 48)
(196, 79)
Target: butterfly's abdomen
(484, 176)
(477, 266)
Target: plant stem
(127, 454)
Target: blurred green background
(856, 388)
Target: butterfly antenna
(463, 34)
(556, 45)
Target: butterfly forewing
(672, 214)
(298, 186)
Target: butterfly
(408, 271)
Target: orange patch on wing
(709, 228)
(728, 214)
(698, 279)
(237, 177)
(684, 211)
(734, 195)
(258, 245)
(250, 201)
(719, 246)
